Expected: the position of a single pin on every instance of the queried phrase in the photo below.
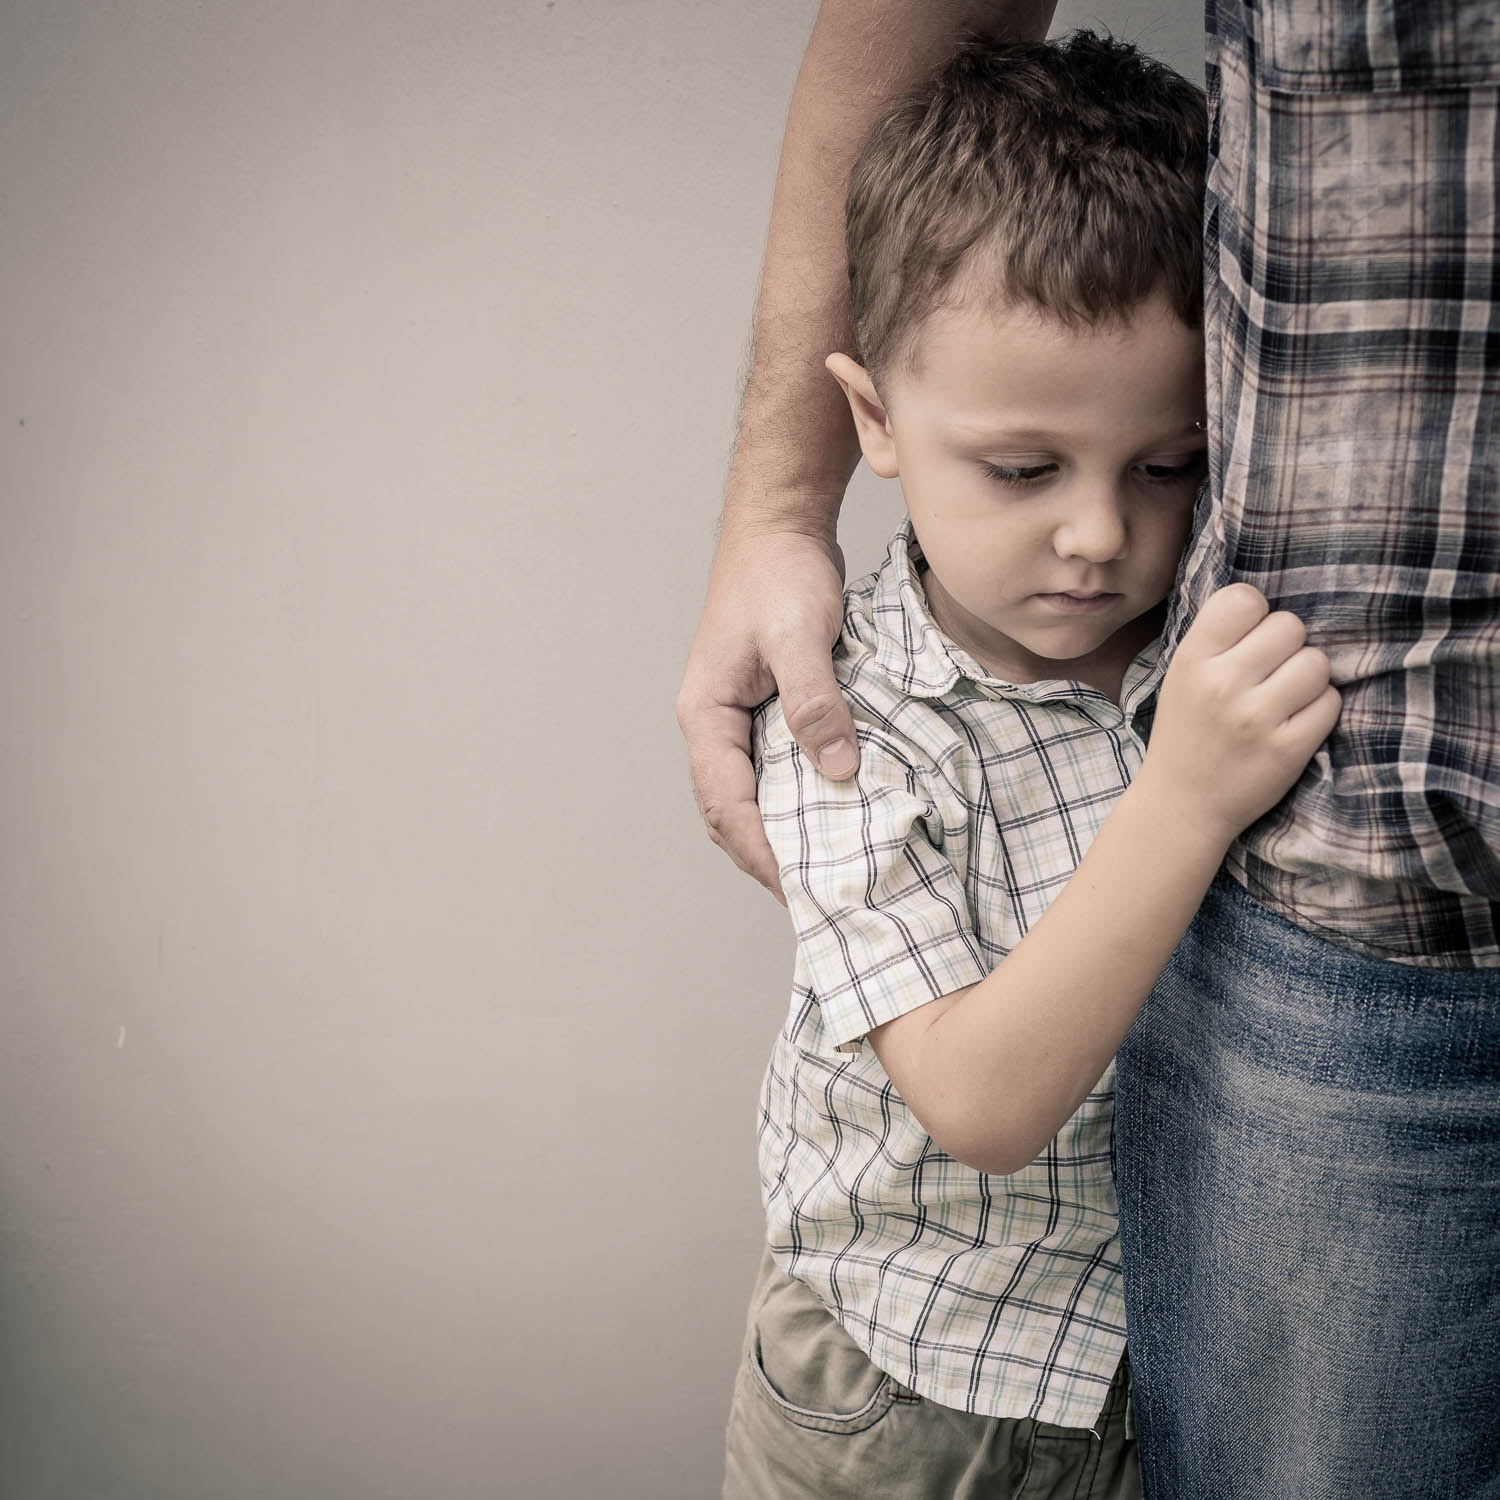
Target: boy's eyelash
(1022, 474)
(1166, 473)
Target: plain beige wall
(381, 1034)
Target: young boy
(982, 911)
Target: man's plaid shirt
(974, 802)
(1353, 321)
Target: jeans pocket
(1405, 46)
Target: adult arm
(774, 604)
(994, 1070)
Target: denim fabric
(1308, 1154)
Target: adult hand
(774, 610)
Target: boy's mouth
(1076, 603)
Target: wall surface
(381, 1034)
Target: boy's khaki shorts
(813, 1419)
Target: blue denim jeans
(1308, 1153)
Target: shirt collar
(914, 653)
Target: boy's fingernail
(837, 759)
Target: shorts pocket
(820, 1404)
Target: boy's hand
(1243, 706)
(774, 609)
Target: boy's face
(1050, 474)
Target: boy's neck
(1106, 669)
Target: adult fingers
(718, 744)
(815, 710)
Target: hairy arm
(994, 1070)
(774, 604)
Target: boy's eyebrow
(980, 434)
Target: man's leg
(1309, 1169)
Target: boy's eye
(1022, 474)
(1189, 468)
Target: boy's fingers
(817, 714)
(1226, 618)
(1277, 639)
(1297, 682)
(1314, 722)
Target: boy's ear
(871, 420)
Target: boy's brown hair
(1066, 175)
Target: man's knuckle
(814, 712)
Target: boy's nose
(1094, 528)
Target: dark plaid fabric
(1353, 320)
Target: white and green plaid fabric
(974, 802)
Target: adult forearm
(796, 446)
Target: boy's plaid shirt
(1353, 321)
(974, 802)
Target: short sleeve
(880, 912)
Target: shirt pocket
(1384, 46)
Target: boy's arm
(774, 597)
(994, 1070)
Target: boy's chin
(1072, 640)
